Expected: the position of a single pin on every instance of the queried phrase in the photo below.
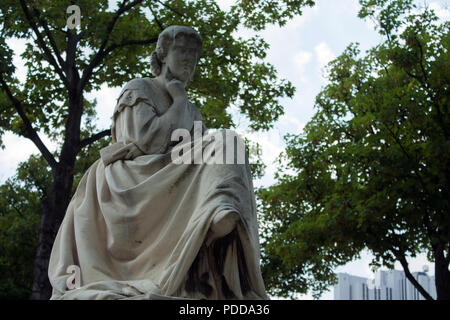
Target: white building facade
(387, 285)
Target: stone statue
(141, 226)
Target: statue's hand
(175, 87)
(176, 90)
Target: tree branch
(130, 43)
(411, 278)
(426, 217)
(422, 68)
(17, 210)
(112, 23)
(170, 8)
(108, 50)
(100, 55)
(157, 20)
(95, 137)
(41, 42)
(30, 132)
(439, 117)
(49, 36)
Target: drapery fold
(138, 222)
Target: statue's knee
(222, 224)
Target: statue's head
(177, 52)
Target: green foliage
(371, 169)
(257, 14)
(20, 199)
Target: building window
(402, 289)
(406, 292)
(350, 292)
(364, 291)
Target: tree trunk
(442, 276)
(53, 209)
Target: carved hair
(165, 40)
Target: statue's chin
(184, 75)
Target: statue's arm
(137, 120)
(151, 132)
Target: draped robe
(137, 224)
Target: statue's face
(182, 58)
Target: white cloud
(443, 13)
(18, 150)
(299, 20)
(106, 101)
(323, 54)
(18, 46)
(225, 4)
(271, 146)
(289, 121)
(301, 59)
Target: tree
(372, 167)
(19, 222)
(112, 46)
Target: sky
(299, 51)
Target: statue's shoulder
(139, 84)
(133, 92)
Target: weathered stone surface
(143, 227)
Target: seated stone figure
(141, 226)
